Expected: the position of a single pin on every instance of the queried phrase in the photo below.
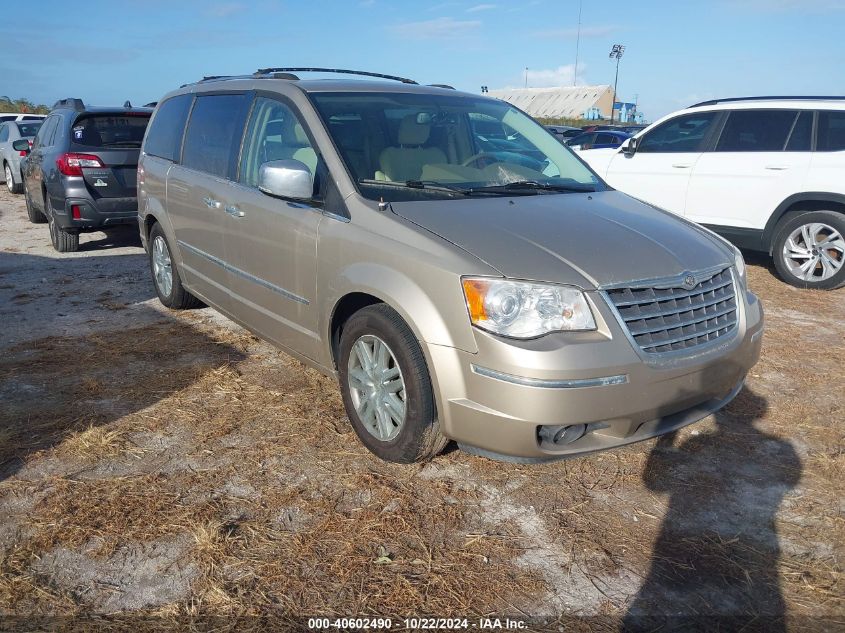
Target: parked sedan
(598, 140)
(563, 132)
(10, 158)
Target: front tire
(166, 278)
(11, 185)
(35, 216)
(386, 387)
(809, 250)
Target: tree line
(22, 105)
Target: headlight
(739, 264)
(522, 309)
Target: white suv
(766, 173)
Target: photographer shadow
(715, 562)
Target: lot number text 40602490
(416, 624)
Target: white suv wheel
(809, 251)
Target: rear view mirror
(629, 147)
(21, 145)
(286, 179)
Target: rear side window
(685, 133)
(756, 131)
(605, 139)
(118, 130)
(214, 134)
(4, 133)
(583, 139)
(45, 134)
(831, 134)
(802, 133)
(164, 137)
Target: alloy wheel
(162, 266)
(10, 184)
(377, 387)
(814, 252)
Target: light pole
(617, 51)
(577, 44)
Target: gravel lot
(172, 466)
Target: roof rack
(342, 71)
(446, 86)
(775, 98)
(75, 104)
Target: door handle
(234, 211)
(211, 203)
(777, 167)
(681, 166)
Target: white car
(17, 116)
(766, 173)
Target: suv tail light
(72, 164)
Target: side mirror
(629, 147)
(21, 145)
(286, 179)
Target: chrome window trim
(575, 383)
(287, 294)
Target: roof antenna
(127, 104)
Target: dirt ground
(170, 466)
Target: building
(572, 102)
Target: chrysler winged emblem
(689, 281)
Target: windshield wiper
(532, 185)
(431, 185)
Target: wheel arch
(798, 203)
(367, 284)
(345, 307)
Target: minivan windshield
(409, 146)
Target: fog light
(76, 212)
(562, 434)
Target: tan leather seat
(406, 161)
(298, 148)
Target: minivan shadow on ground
(715, 560)
(73, 359)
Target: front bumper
(494, 402)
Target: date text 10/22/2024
(415, 624)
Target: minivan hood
(588, 240)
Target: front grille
(669, 319)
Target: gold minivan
(460, 272)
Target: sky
(676, 53)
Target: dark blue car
(599, 139)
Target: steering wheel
(480, 160)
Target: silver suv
(463, 274)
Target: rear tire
(417, 438)
(63, 241)
(11, 185)
(35, 216)
(165, 275)
(809, 250)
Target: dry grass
(189, 431)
